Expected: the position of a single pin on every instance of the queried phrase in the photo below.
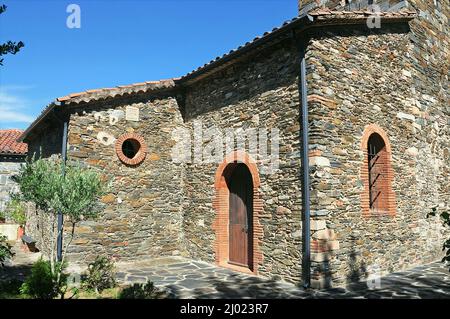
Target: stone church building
(359, 104)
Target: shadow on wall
(356, 275)
(358, 270)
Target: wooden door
(241, 216)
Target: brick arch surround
(365, 198)
(221, 206)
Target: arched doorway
(238, 206)
(240, 186)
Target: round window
(131, 149)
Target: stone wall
(142, 210)
(396, 81)
(140, 214)
(261, 92)
(163, 208)
(9, 166)
(47, 141)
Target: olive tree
(74, 194)
(8, 47)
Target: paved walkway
(20, 265)
(183, 278)
(192, 279)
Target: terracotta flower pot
(20, 232)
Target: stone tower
(424, 54)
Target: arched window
(377, 169)
(378, 197)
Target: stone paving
(20, 266)
(192, 279)
(184, 278)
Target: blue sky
(119, 42)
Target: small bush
(17, 211)
(5, 250)
(43, 283)
(142, 291)
(101, 275)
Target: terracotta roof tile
(101, 93)
(320, 16)
(9, 144)
(329, 14)
(75, 94)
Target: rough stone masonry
(391, 82)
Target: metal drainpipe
(59, 242)
(306, 233)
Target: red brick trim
(140, 155)
(221, 206)
(365, 198)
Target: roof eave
(302, 23)
(38, 120)
(303, 20)
(14, 154)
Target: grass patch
(111, 293)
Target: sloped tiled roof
(319, 16)
(326, 13)
(316, 17)
(9, 144)
(97, 94)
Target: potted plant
(17, 212)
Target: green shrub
(142, 291)
(17, 211)
(5, 250)
(42, 283)
(101, 275)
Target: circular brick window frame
(141, 152)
